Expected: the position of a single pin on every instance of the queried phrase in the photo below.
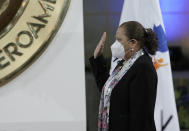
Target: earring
(132, 49)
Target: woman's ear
(134, 41)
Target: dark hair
(146, 37)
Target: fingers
(100, 47)
(103, 38)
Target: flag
(148, 13)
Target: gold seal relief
(3, 5)
(26, 29)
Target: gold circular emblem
(26, 29)
(3, 5)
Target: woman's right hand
(100, 47)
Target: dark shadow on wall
(99, 16)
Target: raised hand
(100, 47)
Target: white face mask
(117, 50)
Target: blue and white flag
(148, 13)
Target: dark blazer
(132, 100)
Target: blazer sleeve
(142, 96)
(100, 70)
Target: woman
(127, 95)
